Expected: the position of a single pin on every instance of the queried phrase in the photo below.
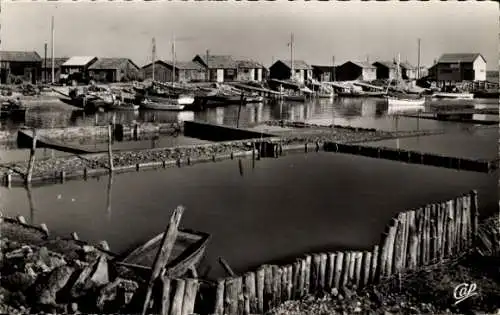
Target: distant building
(188, 71)
(47, 69)
(220, 68)
(408, 71)
(461, 67)
(282, 70)
(26, 65)
(353, 70)
(114, 70)
(77, 65)
(492, 76)
(386, 70)
(248, 70)
(323, 73)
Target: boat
(294, 98)
(12, 109)
(161, 105)
(188, 250)
(463, 96)
(403, 99)
(487, 94)
(125, 106)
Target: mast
(291, 58)
(418, 60)
(333, 69)
(52, 49)
(45, 63)
(153, 57)
(173, 61)
(208, 68)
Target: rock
(120, 290)
(18, 281)
(100, 275)
(78, 289)
(57, 279)
(23, 252)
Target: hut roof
(78, 61)
(186, 65)
(218, 61)
(248, 64)
(363, 64)
(111, 63)
(297, 64)
(387, 64)
(20, 56)
(459, 57)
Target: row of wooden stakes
(414, 239)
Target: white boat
(173, 106)
(185, 100)
(405, 102)
(462, 96)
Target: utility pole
(45, 63)
(52, 51)
(208, 69)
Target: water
(282, 208)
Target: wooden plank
(238, 283)
(474, 216)
(352, 267)
(284, 283)
(421, 238)
(268, 287)
(190, 292)
(339, 263)
(444, 232)
(449, 227)
(398, 244)
(260, 275)
(302, 278)
(330, 271)
(458, 224)
(231, 296)
(276, 285)
(465, 222)
(367, 260)
(289, 294)
(219, 297)
(163, 254)
(345, 269)
(315, 270)
(31, 163)
(229, 271)
(405, 241)
(165, 298)
(177, 301)
(322, 271)
(296, 279)
(250, 292)
(307, 282)
(412, 241)
(357, 272)
(375, 268)
(391, 236)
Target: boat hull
(188, 250)
(162, 106)
(406, 103)
(461, 96)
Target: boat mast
(333, 68)
(292, 76)
(173, 60)
(418, 60)
(52, 48)
(153, 57)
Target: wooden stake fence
(413, 239)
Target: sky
(357, 31)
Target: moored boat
(405, 102)
(161, 105)
(464, 96)
(188, 250)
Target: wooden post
(307, 283)
(316, 261)
(352, 267)
(44, 228)
(276, 285)
(465, 221)
(290, 283)
(474, 208)
(167, 244)
(367, 259)
(85, 173)
(219, 298)
(268, 287)
(358, 267)
(165, 299)
(260, 290)
(74, 236)
(339, 262)
(390, 249)
(110, 151)
(450, 228)
(412, 241)
(330, 271)
(250, 293)
(302, 278)
(177, 301)
(253, 154)
(104, 245)
(375, 269)
(296, 279)
(284, 284)
(31, 163)
(322, 271)
(242, 99)
(231, 297)
(240, 299)
(345, 269)
(398, 244)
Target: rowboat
(294, 98)
(405, 102)
(188, 250)
(162, 105)
(463, 96)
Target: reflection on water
(358, 112)
(272, 211)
